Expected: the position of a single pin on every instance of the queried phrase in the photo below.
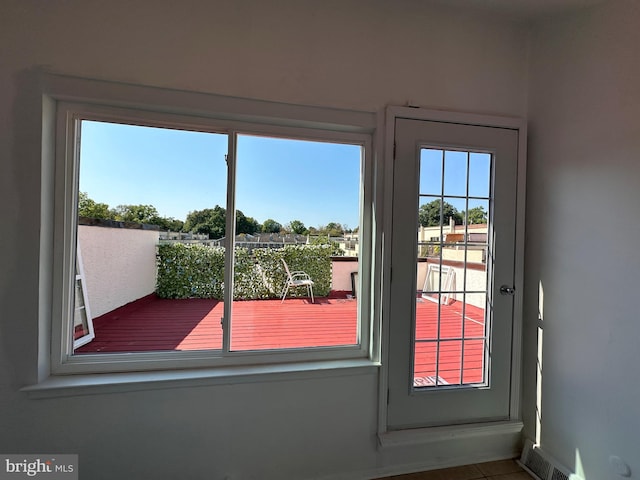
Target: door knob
(507, 290)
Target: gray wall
(583, 235)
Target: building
(349, 244)
(570, 68)
(264, 240)
(452, 238)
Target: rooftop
(155, 324)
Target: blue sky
(455, 177)
(181, 171)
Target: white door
(452, 257)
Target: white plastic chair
(297, 279)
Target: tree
(147, 214)
(476, 215)
(332, 229)
(336, 251)
(297, 227)
(91, 209)
(126, 213)
(168, 223)
(271, 226)
(212, 221)
(136, 213)
(429, 214)
(246, 224)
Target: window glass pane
(297, 209)
(80, 321)
(78, 295)
(453, 214)
(431, 171)
(450, 360)
(454, 332)
(478, 210)
(474, 365)
(430, 216)
(479, 174)
(455, 173)
(424, 366)
(151, 202)
(450, 323)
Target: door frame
(514, 424)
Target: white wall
(476, 280)
(341, 275)
(583, 235)
(119, 265)
(358, 54)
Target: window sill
(96, 384)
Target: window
(454, 197)
(183, 225)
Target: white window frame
(68, 100)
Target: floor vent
(542, 466)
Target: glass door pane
(451, 327)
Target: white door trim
(391, 114)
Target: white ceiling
(521, 9)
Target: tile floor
(501, 470)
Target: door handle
(507, 290)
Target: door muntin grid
(452, 323)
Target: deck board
(155, 324)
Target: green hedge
(197, 271)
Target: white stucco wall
(582, 237)
(354, 54)
(475, 280)
(119, 265)
(341, 275)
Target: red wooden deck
(155, 324)
(459, 361)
